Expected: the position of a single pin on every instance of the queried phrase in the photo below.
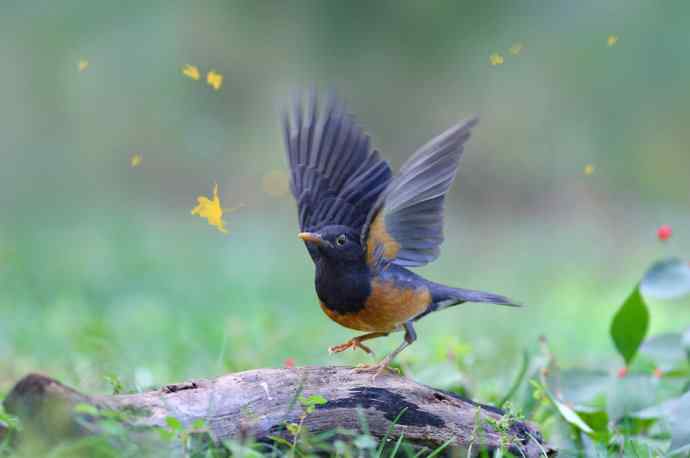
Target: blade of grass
(379, 451)
(397, 446)
(440, 449)
(518, 379)
(423, 450)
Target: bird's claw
(350, 344)
(377, 369)
(342, 347)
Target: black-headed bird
(363, 226)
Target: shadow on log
(258, 403)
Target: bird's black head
(338, 243)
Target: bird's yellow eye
(340, 240)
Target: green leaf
(114, 382)
(666, 351)
(566, 412)
(199, 423)
(629, 326)
(675, 414)
(666, 280)
(280, 440)
(165, 434)
(638, 449)
(293, 428)
(173, 423)
(598, 420)
(630, 394)
(313, 400)
(571, 416)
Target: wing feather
(335, 176)
(405, 226)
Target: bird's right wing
(334, 174)
(405, 226)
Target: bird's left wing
(334, 174)
(405, 226)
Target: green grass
(148, 301)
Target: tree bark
(258, 403)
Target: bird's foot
(350, 344)
(377, 369)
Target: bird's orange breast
(387, 307)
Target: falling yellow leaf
(83, 63)
(612, 40)
(275, 183)
(215, 80)
(495, 59)
(135, 160)
(191, 71)
(516, 48)
(589, 169)
(211, 210)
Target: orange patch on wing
(379, 235)
(387, 307)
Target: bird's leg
(410, 337)
(356, 342)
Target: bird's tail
(468, 295)
(444, 296)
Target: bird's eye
(340, 240)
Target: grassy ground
(148, 301)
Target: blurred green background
(104, 271)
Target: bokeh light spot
(276, 183)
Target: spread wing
(406, 224)
(334, 174)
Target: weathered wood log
(258, 403)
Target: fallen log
(260, 403)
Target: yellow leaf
(83, 63)
(612, 40)
(589, 169)
(191, 71)
(495, 59)
(135, 160)
(211, 210)
(516, 48)
(215, 80)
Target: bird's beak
(311, 237)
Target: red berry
(289, 363)
(658, 373)
(622, 372)
(664, 232)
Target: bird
(364, 227)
